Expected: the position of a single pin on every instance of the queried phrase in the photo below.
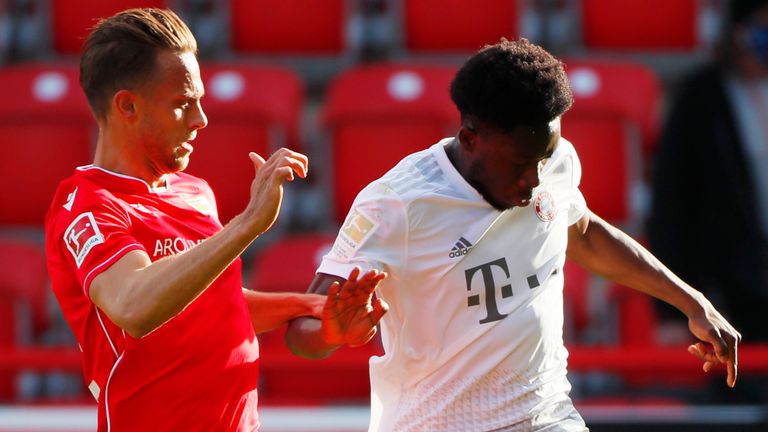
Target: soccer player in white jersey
(472, 234)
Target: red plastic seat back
(289, 264)
(458, 25)
(288, 26)
(249, 108)
(379, 114)
(46, 130)
(640, 24)
(23, 288)
(613, 125)
(72, 19)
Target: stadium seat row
(373, 115)
(324, 26)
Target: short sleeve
(92, 237)
(373, 235)
(577, 204)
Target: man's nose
(198, 118)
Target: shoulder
(415, 176)
(77, 198)
(565, 155)
(564, 164)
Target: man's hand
(267, 186)
(714, 331)
(351, 313)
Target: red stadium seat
(613, 125)
(72, 19)
(458, 25)
(644, 25)
(23, 288)
(46, 130)
(288, 26)
(289, 266)
(378, 114)
(249, 108)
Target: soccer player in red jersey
(146, 275)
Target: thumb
(257, 160)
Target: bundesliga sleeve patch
(81, 236)
(356, 230)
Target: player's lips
(188, 147)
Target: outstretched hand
(267, 185)
(719, 342)
(351, 313)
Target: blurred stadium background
(357, 84)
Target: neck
(117, 155)
(452, 151)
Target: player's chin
(180, 163)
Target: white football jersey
(473, 337)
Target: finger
(354, 274)
(333, 292)
(297, 161)
(734, 348)
(718, 344)
(283, 173)
(365, 339)
(380, 307)
(370, 281)
(699, 351)
(299, 166)
(257, 160)
(732, 373)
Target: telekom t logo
(489, 285)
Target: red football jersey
(198, 371)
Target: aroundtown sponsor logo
(463, 246)
(173, 246)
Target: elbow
(304, 342)
(135, 319)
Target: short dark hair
(120, 52)
(512, 83)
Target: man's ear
(467, 137)
(124, 104)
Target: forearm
(609, 252)
(304, 338)
(269, 311)
(139, 295)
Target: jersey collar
(122, 182)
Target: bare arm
(349, 317)
(139, 295)
(270, 310)
(603, 249)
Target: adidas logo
(463, 246)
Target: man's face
(505, 167)
(170, 112)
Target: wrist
(694, 304)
